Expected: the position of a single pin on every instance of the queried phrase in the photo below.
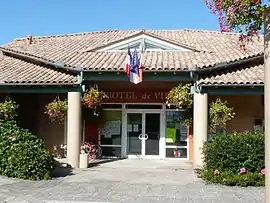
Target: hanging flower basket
(57, 110)
(8, 109)
(93, 98)
(220, 113)
(180, 97)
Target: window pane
(176, 131)
(110, 133)
(173, 153)
(111, 151)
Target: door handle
(145, 137)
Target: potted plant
(180, 97)
(93, 98)
(219, 113)
(84, 156)
(8, 109)
(57, 110)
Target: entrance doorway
(143, 133)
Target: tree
(243, 16)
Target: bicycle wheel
(94, 153)
(99, 151)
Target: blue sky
(38, 17)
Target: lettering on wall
(149, 97)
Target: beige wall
(31, 116)
(52, 133)
(247, 108)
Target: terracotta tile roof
(211, 48)
(17, 71)
(252, 74)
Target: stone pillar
(74, 129)
(267, 101)
(200, 123)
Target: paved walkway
(132, 181)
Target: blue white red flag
(128, 62)
(135, 68)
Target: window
(111, 133)
(176, 135)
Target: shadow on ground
(62, 172)
(103, 161)
(62, 169)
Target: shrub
(230, 152)
(231, 178)
(234, 159)
(23, 155)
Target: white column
(267, 101)
(124, 140)
(200, 124)
(74, 129)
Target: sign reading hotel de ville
(136, 97)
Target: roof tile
(71, 49)
(252, 74)
(18, 71)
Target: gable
(143, 43)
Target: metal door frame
(143, 112)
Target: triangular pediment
(144, 42)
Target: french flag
(134, 67)
(128, 62)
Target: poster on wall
(111, 128)
(170, 135)
(129, 127)
(135, 128)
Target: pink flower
(216, 172)
(242, 170)
(263, 172)
(230, 10)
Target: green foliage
(232, 179)
(93, 98)
(220, 114)
(180, 97)
(8, 109)
(57, 110)
(23, 155)
(245, 16)
(230, 152)
(227, 153)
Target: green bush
(231, 178)
(230, 152)
(23, 155)
(225, 154)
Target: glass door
(143, 134)
(152, 133)
(134, 131)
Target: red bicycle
(94, 151)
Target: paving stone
(120, 182)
